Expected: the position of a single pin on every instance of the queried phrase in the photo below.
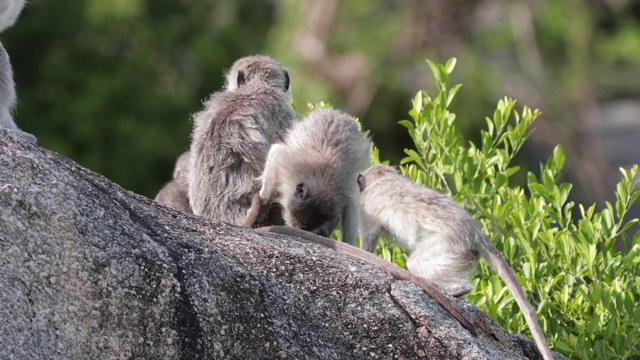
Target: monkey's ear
(287, 81)
(240, 79)
(302, 192)
(362, 182)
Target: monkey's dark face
(308, 211)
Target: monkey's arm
(369, 232)
(257, 211)
(394, 269)
(269, 177)
(262, 200)
(350, 222)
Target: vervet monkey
(9, 11)
(175, 193)
(313, 173)
(444, 240)
(232, 136)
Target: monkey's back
(413, 214)
(230, 142)
(174, 194)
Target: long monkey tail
(490, 253)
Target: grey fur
(313, 173)
(444, 240)
(175, 193)
(9, 11)
(232, 136)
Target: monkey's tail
(499, 265)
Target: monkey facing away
(444, 240)
(232, 136)
(9, 11)
(175, 193)
(313, 174)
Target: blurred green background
(112, 84)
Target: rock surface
(89, 270)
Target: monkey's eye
(301, 192)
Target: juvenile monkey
(9, 11)
(444, 240)
(313, 173)
(175, 193)
(232, 136)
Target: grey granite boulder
(89, 270)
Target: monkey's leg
(448, 271)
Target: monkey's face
(309, 211)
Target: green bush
(584, 292)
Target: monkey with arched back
(444, 240)
(175, 193)
(9, 11)
(313, 174)
(232, 136)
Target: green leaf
(418, 103)
(451, 64)
(452, 93)
(408, 124)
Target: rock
(89, 270)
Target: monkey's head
(309, 208)
(257, 68)
(373, 173)
(181, 169)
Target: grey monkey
(9, 11)
(232, 136)
(444, 240)
(175, 193)
(313, 174)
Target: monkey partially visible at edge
(8, 16)
(175, 193)
(232, 136)
(444, 240)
